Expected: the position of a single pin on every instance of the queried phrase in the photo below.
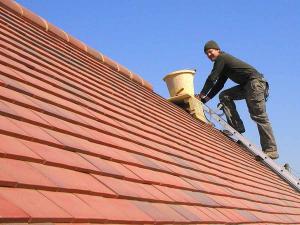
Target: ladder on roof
(280, 170)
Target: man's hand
(205, 99)
(199, 96)
(202, 98)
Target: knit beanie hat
(211, 44)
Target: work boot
(226, 132)
(272, 154)
(241, 144)
(287, 167)
(241, 130)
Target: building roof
(84, 140)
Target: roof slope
(81, 142)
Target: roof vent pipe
(180, 82)
(181, 88)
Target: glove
(202, 98)
(205, 99)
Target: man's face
(212, 54)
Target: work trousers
(254, 93)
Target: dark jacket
(226, 66)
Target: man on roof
(252, 87)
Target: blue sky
(154, 38)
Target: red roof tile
(24, 174)
(59, 157)
(83, 141)
(117, 210)
(33, 203)
(126, 189)
(67, 180)
(161, 212)
(74, 206)
(11, 212)
(13, 148)
(192, 214)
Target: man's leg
(257, 108)
(227, 98)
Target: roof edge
(45, 25)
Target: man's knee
(263, 118)
(223, 97)
(257, 110)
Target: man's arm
(214, 75)
(217, 87)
